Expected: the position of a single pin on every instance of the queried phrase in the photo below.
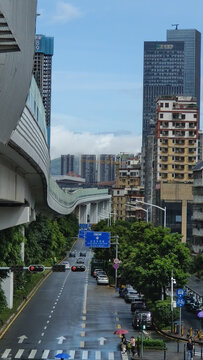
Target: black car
(138, 304)
(72, 254)
(142, 317)
(83, 253)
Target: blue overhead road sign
(97, 239)
(85, 226)
(81, 234)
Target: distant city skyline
(97, 77)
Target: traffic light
(59, 267)
(78, 268)
(36, 268)
(16, 268)
(144, 323)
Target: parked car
(130, 295)
(83, 253)
(100, 273)
(102, 280)
(123, 291)
(80, 261)
(95, 272)
(72, 254)
(142, 317)
(67, 265)
(138, 304)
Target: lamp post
(173, 281)
(158, 207)
(107, 216)
(139, 208)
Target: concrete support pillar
(93, 213)
(184, 221)
(83, 214)
(7, 287)
(22, 249)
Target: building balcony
(197, 216)
(197, 231)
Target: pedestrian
(190, 348)
(123, 344)
(138, 346)
(132, 343)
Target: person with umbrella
(62, 356)
(122, 332)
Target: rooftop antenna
(176, 26)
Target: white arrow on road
(101, 340)
(61, 339)
(21, 339)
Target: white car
(102, 280)
(67, 265)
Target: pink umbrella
(200, 314)
(120, 331)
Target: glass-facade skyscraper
(42, 70)
(192, 52)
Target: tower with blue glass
(42, 70)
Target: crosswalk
(37, 354)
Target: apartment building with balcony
(128, 189)
(176, 153)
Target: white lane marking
(47, 321)
(52, 311)
(39, 342)
(85, 300)
(97, 355)
(6, 353)
(85, 355)
(59, 352)
(32, 354)
(19, 353)
(54, 307)
(82, 344)
(42, 334)
(72, 354)
(111, 356)
(45, 354)
(49, 316)
(45, 327)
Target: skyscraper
(192, 52)
(87, 168)
(106, 168)
(67, 164)
(42, 70)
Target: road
(70, 313)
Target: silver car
(102, 280)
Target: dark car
(80, 261)
(138, 304)
(83, 253)
(72, 254)
(142, 317)
(130, 295)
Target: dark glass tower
(42, 70)
(192, 66)
(163, 75)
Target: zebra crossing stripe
(97, 355)
(19, 353)
(32, 354)
(45, 354)
(72, 354)
(85, 355)
(111, 356)
(6, 353)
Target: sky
(97, 73)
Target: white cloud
(66, 12)
(64, 141)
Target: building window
(161, 105)
(166, 105)
(161, 116)
(183, 116)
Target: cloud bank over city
(64, 142)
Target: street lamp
(173, 281)
(158, 207)
(107, 216)
(139, 208)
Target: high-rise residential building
(87, 168)
(106, 168)
(175, 154)
(42, 70)
(67, 164)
